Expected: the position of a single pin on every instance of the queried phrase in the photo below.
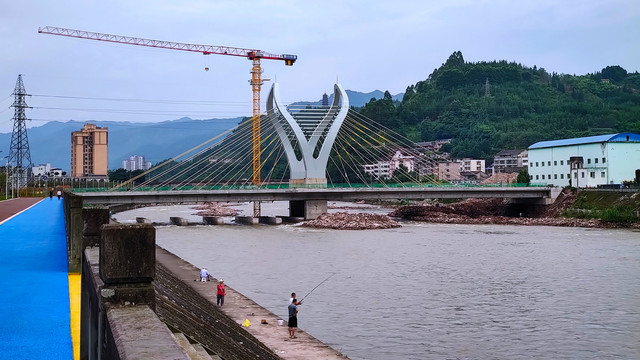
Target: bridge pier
(307, 209)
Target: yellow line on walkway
(74, 308)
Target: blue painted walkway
(34, 285)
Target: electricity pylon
(19, 163)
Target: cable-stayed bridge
(309, 154)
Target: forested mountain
(485, 107)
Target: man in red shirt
(221, 293)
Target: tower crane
(252, 54)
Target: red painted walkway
(9, 208)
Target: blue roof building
(585, 162)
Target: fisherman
(293, 318)
(293, 296)
(220, 293)
(204, 274)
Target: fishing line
(317, 286)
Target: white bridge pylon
(309, 132)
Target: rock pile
(215, 209)
(345, 221)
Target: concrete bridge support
(307, 209)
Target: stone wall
(182, 308)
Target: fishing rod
(317, 286)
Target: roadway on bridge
(34, 283)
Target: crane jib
(204, 49)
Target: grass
(609, 206)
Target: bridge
(108, 198)
(309, 203)
(316, 164)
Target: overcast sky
(364, 45)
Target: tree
(455, 59)
(614, 73)
(523, 177)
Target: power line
(152, 101)
(130, 111)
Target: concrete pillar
(307, 209)
(93, 219)
(213, 220)
(128, 264)
(246, 220)
(175, 220)
(270, 220)
(74, 233)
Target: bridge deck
(332, 194)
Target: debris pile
(494, 211)
(471, 208)
(214, 209)
(345, 221)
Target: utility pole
(19, 155)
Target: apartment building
(89, 152)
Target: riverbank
(501, 212)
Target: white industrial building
(585, 162)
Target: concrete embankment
(189, 306)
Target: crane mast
(252, 54)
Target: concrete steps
(194, 350)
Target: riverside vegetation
(485, 107)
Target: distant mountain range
(51, 143)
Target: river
(433, 291)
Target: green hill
(485, 107)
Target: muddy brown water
(433, 291)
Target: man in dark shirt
(293, 318)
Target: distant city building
(47, 170)
(510, 161)
(384, 169)
(419, 160)
(379, 170)
(603, 160)
(89, 148)
(398, 159)
(136, 162)
(471, 165)
(448, 171)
